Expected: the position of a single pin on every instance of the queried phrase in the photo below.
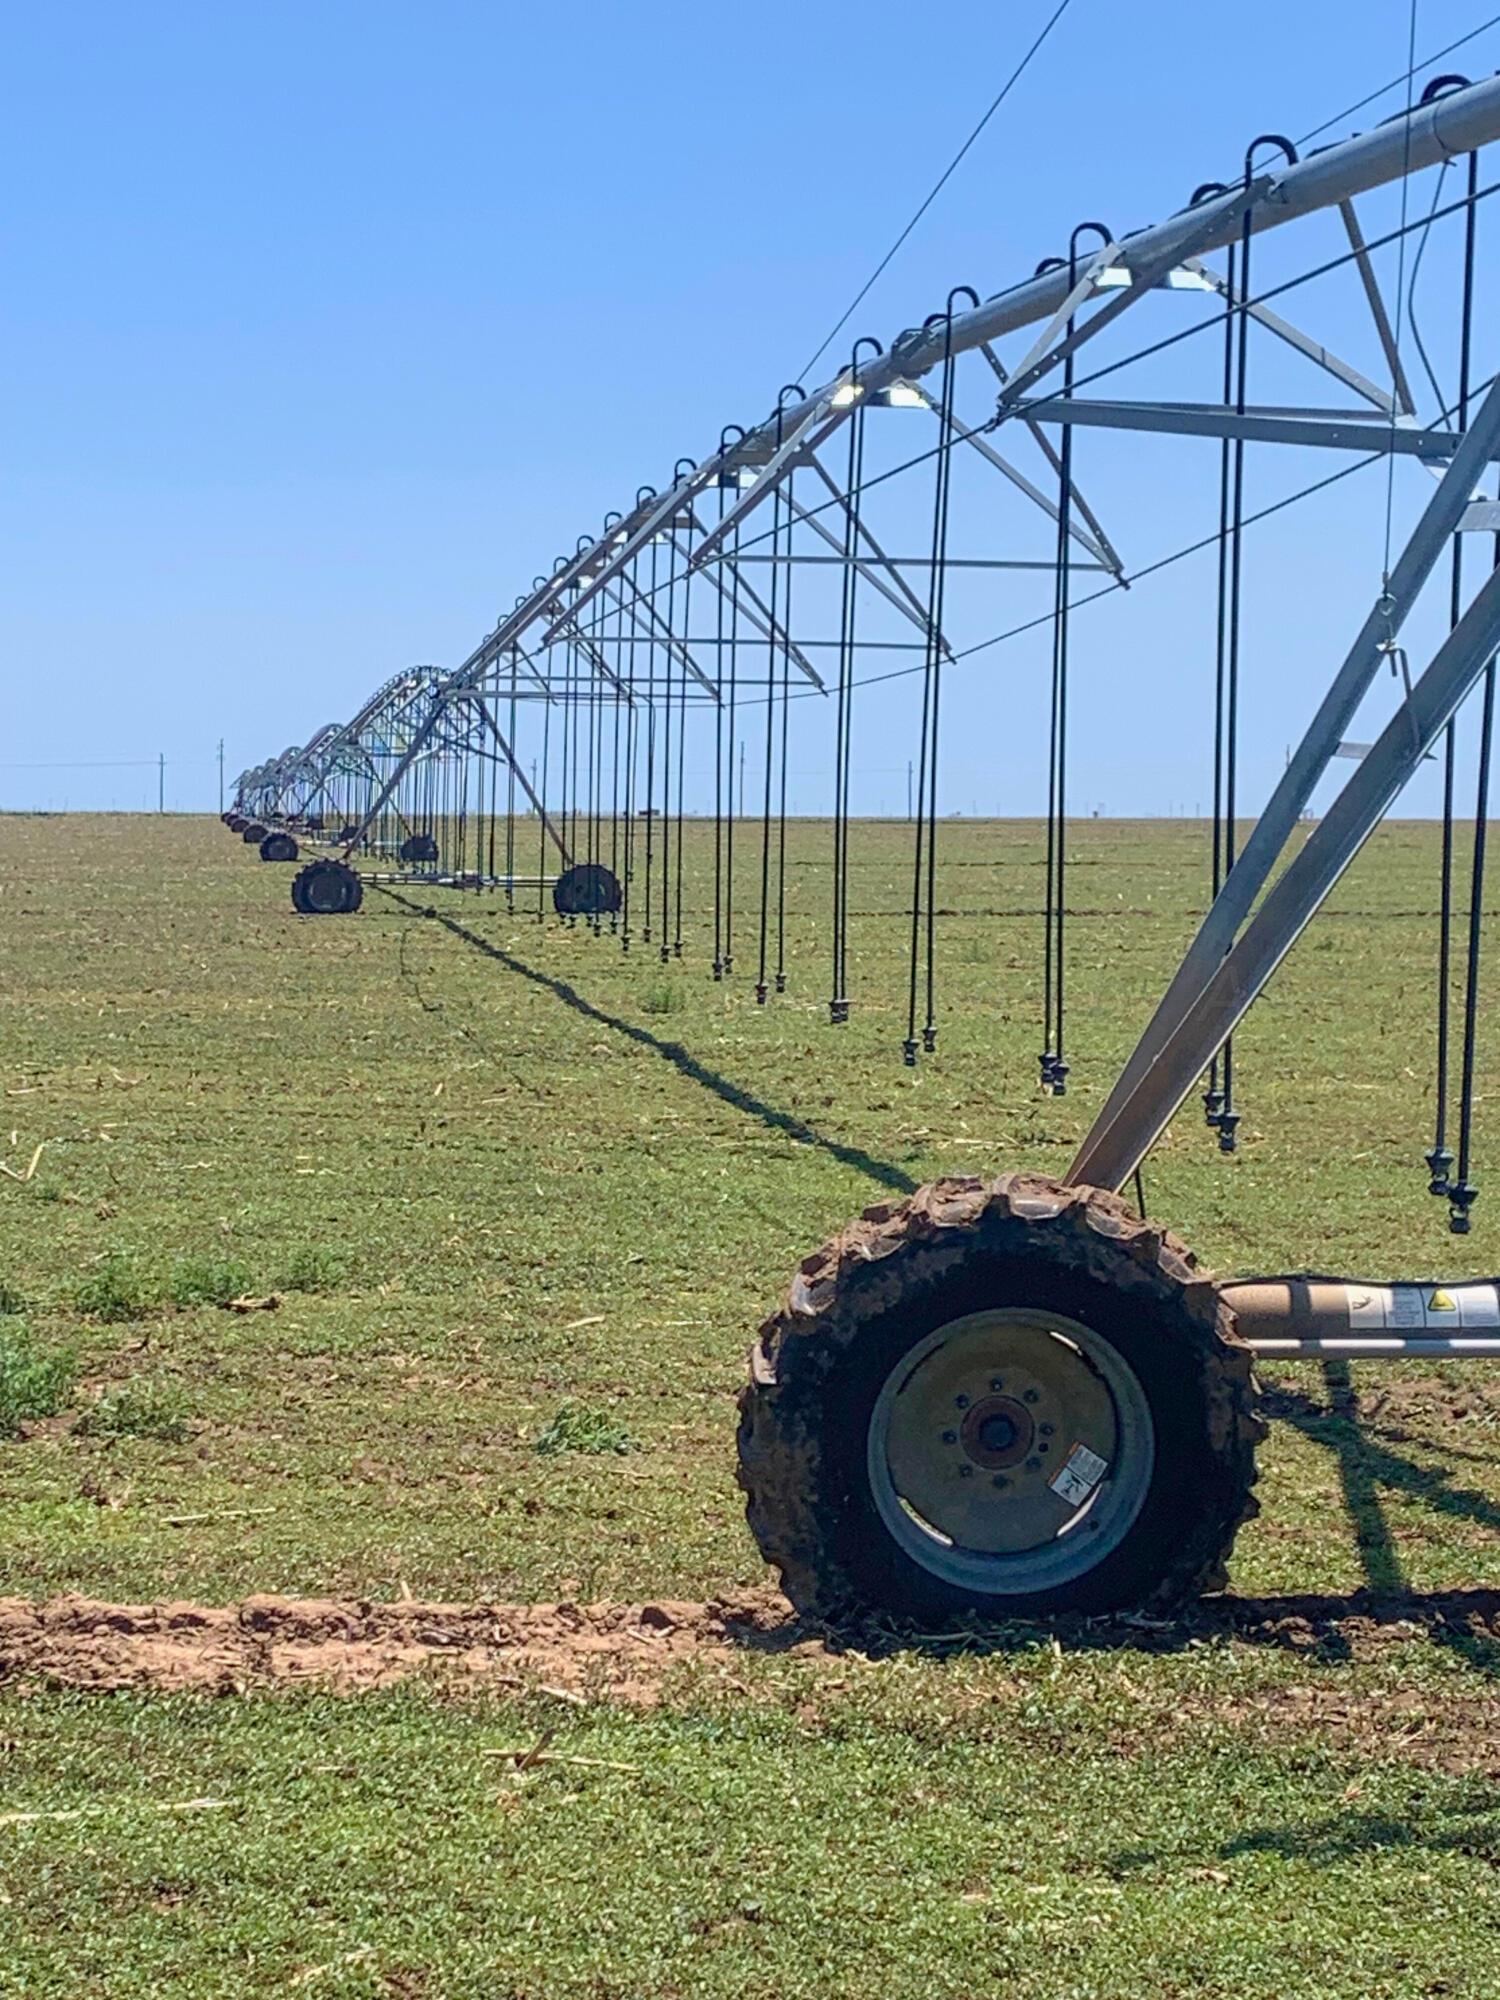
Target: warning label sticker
(1423, 1308)
(1080, 1474)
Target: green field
(499, 1174)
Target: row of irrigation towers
(970, 484)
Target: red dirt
(347, 1645)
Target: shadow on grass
(1367, 1467)
(1326, 1627)
(883, 1172)
(1462, 1825)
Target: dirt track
(268, 1641)
(622, 1650)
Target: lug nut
(1000, 1480)
(1031, 1396)
(1033, 1465)
(950, 1437)
(996, 1384)
(961, 1402)
(966, 1472)
(1046, 1429)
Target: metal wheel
(1010, 1451)
(1004, 1399)
(326, 889)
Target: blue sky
(327, 327)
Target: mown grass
(489, 1169)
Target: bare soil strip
(621, 1650)
(269, 1641)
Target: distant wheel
(278, 847)
(1002, 1400)
(327, 889)
(314, 822)
(349, 831)
(253, 833)
(236, 822)
(587, 889)
(419, 847)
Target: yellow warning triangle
(1442, 1302)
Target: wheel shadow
(1328, 1628)
(1368, 1468)
(884, 1172)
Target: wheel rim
(1010, 1451)
(324, 892)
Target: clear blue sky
(326, 327)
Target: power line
(1011, 81)
(1400, 78)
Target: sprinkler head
(1440, 1167)
(728, 963)
(1462, 1194)
(1059, 1078)
(929, 1040)
(1227, 1121)
(760, 994)
(909, 1053)
(666, 955)
(1213, 1106)
(781, 982)
(718, 968)
(1047, 1063)
(838, 1013)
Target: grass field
(516, 1190)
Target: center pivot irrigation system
(1010, 1397)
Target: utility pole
(221, 774)
(908, 788)
(161, 782)
(742, 771)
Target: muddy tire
(587, 889)
(278, 847)
(326, 889)
(418, 848)
(959, 1346)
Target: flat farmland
(409, 1259)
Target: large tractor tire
(253, 833)
(326, 889)
(998, 1400)
(417, 848)
(236, 822)
(278, 847)
(587, 889)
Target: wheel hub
(1010, 1449)
(997, 1432)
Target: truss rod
(1328, 728)
(1117, 1145)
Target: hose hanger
(617, 612)
(631, 591)
(776, 656)
(838, 1004)
(684, 469)
(726, 610)
(796, 390)
(545, 791)
(1053, 1064)
(924, 857)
